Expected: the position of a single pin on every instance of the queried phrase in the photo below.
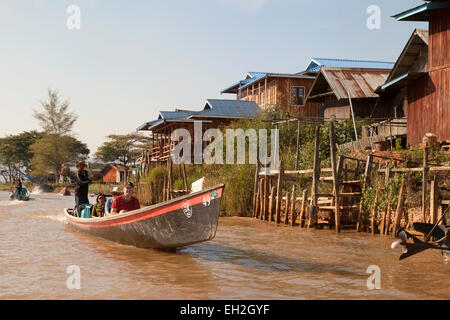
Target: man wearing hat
(115, 193)
(126, 202)
(81, 184)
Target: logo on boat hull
(187, 209)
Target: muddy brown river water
(248, 259)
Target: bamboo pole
(399, 210)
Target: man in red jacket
(126, 202)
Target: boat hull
(179, 222)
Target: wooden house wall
(110, 176)
(429, 96)
(362, 108)
(278, 95)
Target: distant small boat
(24, 196)
(171, 224)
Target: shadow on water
(264, 261)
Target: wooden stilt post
(388, 218)
(266, 197)
(271, 200)
(434, 201)
(375, 209)
(255, 212)
(286, 216)
(255, 188)
(382, 222)
(261, 199)
(337, 207)
(293, 214)
(316, 177)
(424, 183)
(365, 180)
(303, 208)
(183, 171)
(279, 186)
(399, 210)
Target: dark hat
(129, 185)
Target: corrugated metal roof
(360, 83)
(170, 115)
(214, 108)
(317, 63)
(148, 125)
(225, 108)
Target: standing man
(81, 184)
(126, 202)
(19, 187)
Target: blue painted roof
(214, 108)
(173, 115)
(149, 125)
(228, 108)
(317, 63)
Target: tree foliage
(51, 152)
(15, 150)
(57, 147)
(124, 149)
(55, 118)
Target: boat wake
(58, 218)
(37, 190)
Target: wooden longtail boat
(175, 223)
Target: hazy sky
(131, 59)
